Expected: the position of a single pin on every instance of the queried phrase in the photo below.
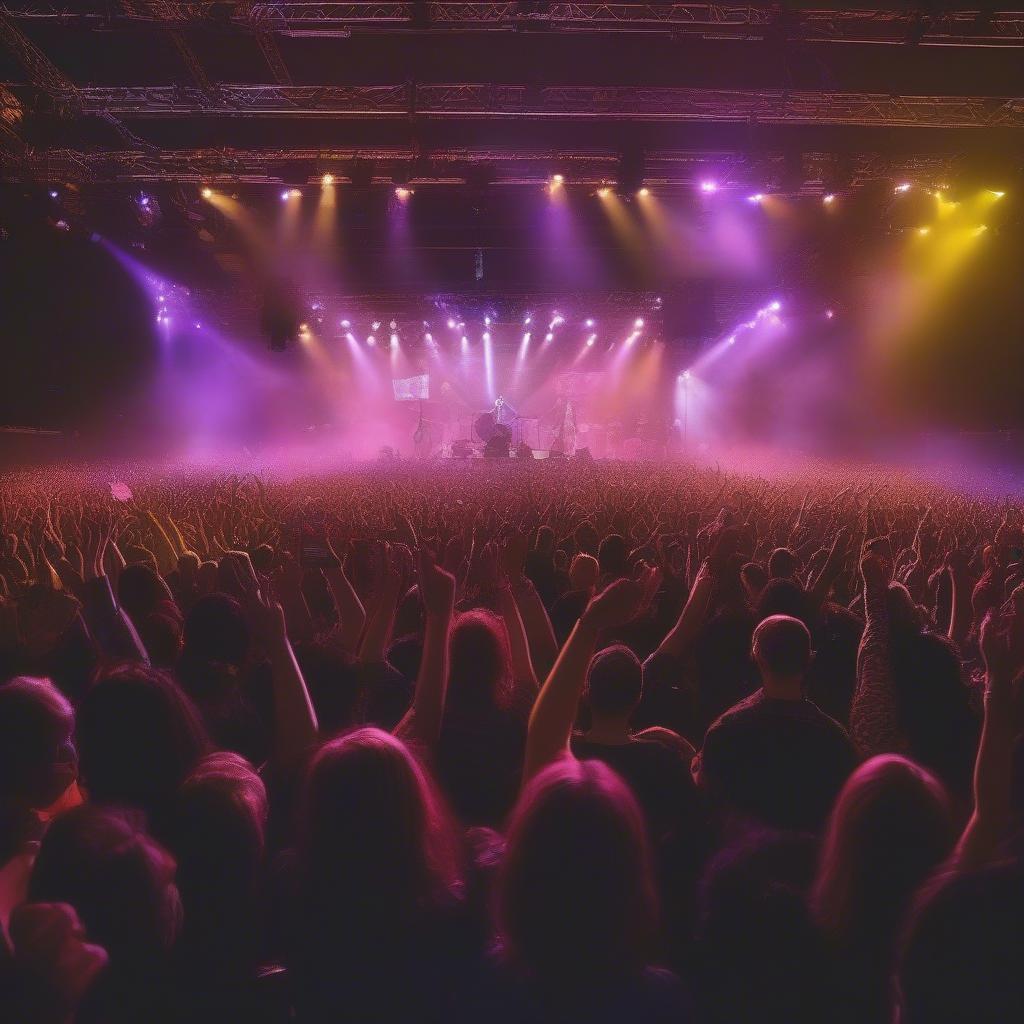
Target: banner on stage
(411, 389)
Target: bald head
(781, 647)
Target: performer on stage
(503, 412)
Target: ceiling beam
(629, 103)
(872, 26)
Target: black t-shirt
(657, 774)
(781, 762)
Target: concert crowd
(552, 742)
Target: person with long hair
(374, 900)
(891, 827)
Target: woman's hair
(576, 894)
(139, 737)
(373, 838)
(890, 829)
(480, 673)
(118, 879)
(219, 837)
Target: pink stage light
(709, 187)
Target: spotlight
(998, 195)
(686, 374)
(487, 337)
(591, 340)
(775, 306)
(327, 179)
(428, 338)
(144, 200)
(590, 322)
(197, 325)
(304, 328)
(207, 193)
(394, 341)
(923, 231)
(638, 323)
(829, 199)
(350, 338)
(903, 187)
(403, 193)
(557, 179)
(371, 341)
(527, 321)
(709, 187)
(731, 340)
(54, 193)
(284, 196)
(465, 341)
(829, 314)
(556, 320)
(757, 197)
(451, 325)
(345, 325)
(643, 192)
(393, 325)
(981, 229)
(549, 336)
(604, 191)
(375, 326)
(487, 321)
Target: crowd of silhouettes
(523, 743)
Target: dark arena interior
(511, 512)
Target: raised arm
(350, 608)
(295, 724)
(422, 722)
(392, 572)
(542, 648)
(873, 719)
(554, 712)
(993, 767)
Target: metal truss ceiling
(771, 107)
(943, 28)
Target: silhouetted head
(890, 829)
(576, 897)
(612, 556)
(784, 597)
(219, 828)
(38, 760)
(754, 580)
(584, 572)
(372, 836)
(964, 949)
(781, 648)
(139, 736)
(118, 879)
(614, 682)
(545, 540)
(480, 669)
(216, 631)
(783, 563)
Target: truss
(945, 28)
(635, 103)
(664, 168)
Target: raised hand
(615, 605)
(437, 587)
